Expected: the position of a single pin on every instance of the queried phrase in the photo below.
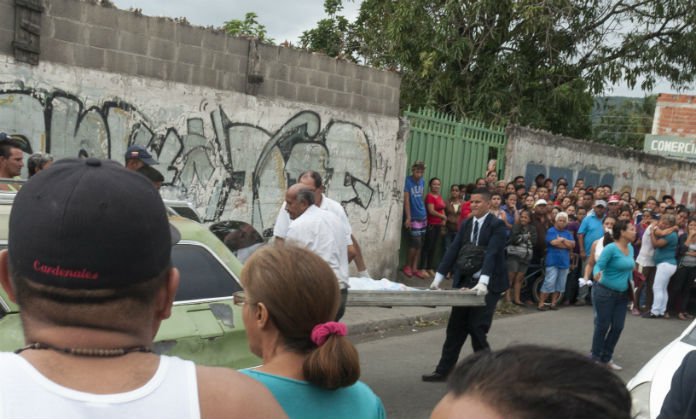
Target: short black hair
(518, 187)
(530, 381)
(483, 192)
(6, 146)
(518, 177)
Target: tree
(333, 36)
(625, 123)
(532, 62)
(248, 28)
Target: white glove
(481, 289)
(364, 274)
(435, 285)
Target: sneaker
(613, 366)
(407, 271)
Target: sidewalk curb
(364, 327)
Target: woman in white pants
(665, 240)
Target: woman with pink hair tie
(289, 301)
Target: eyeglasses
(239, 298)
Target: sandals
(683, 316)
(419, 274)
(407, 271)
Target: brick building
(674, 127)
(675, 115)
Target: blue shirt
(560, 258)
(592, 229)
(667, 253)
(616, 268)
(415, 197)
(302, 400)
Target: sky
(286, 20)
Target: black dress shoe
(434, 377)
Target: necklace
(93, 352)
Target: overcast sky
(284, 20)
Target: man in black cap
(93, 292)
(137, 156)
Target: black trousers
(432, 238)
(465, 321)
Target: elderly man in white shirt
(319, 231)
(313, 180)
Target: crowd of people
(635, 255)
(86, 307)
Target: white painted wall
(230, 154)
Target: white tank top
(172, 392)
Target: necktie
(475, 240)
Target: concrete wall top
(531, 152)
(81, 34)
(577, 147)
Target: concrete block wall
(530, 152)
(109, 78)
(80, 34)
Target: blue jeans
(610, 315)
(555, 280)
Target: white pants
(662, 275)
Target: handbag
(470, 259)
(521, 251)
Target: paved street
(394, 362)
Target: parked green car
(205, 326)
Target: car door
(205, 325)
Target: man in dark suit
(482, 229)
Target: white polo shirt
(283, 220)
(323, 233)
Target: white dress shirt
(324, 234)
(483, 279)
(280, 229)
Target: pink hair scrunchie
(322, 331)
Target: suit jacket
(492, 236)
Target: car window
(203, 276)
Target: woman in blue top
(289, 300)
(664, 240)
(610, 292)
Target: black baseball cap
(141, 153)
(89, 224)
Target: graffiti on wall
(228, 169)
(641, 183)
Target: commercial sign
(670, 146)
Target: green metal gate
(456, 151)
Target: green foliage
(248, 28)
(624, 124)
(531, 62)
(333, 36)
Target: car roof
(191, 233)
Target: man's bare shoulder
(225, 393)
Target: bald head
(298, 198)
